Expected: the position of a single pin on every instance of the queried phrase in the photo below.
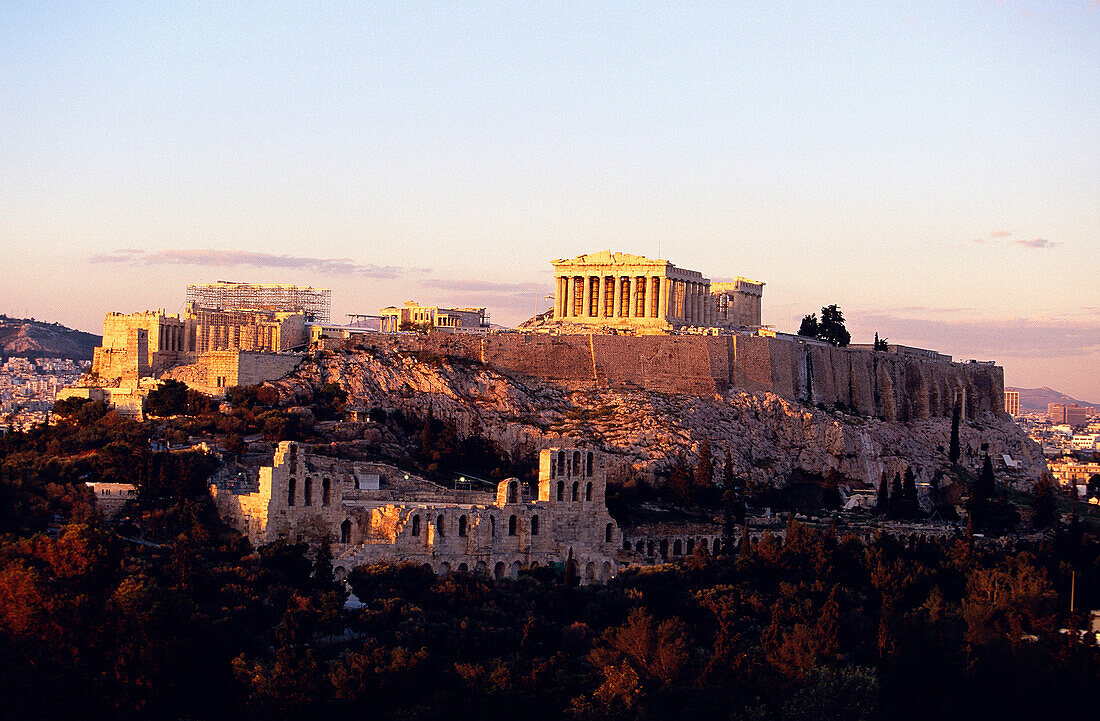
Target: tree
(809, 326)
(954, 452)
(704, 466)
(909, 494)
(880, 343)
(897, 500)
(1042, 505)
(1093, 487)
(169, 399)
(832, 328)
(985, 486)
(882, 503)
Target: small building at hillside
(413, 316)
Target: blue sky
(934, 168)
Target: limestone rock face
(767, 436)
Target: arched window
(677, 548)
(462, 526)
(576, 490)
(309, 492)
(492, 525)
(534, 525)
(326, 488)
(639, 547)
(553, 466)
(439, 525)
(589, 462)
(291, 486)
(607, 531)
(703, 543)
(561, 490)
(664, 547)
(345, 532)
(576, 463)
(561, 464)
(512, 526)
(416, 526)
(626, 544)
(690, 546)
(513, 492)
(649, 549)
(588, 492)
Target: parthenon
(620, 290)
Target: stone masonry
(302, 496)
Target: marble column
(617, 309)
(586, 297)
(632, 297)
(662, 310)
(601, 299)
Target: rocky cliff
(767, 436)
(865, 382)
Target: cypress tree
(897, 500)
(909, 494)
(955, 451)
(882, 503)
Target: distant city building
(315, 303)
(1012, 402)
(448, 320)
(1070, 414)
(1086, 442)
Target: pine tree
(809, 326)
(727, 471)
(832, 327)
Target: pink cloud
(1000, 234)
(1035, 243)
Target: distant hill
(31, 338)
(1036, 399)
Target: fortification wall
(888, 386)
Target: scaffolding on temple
(316, 303)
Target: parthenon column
(662, 311)
(633, 285)
(616, 311)
(586, 297)
(601, 299)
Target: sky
(931, 167)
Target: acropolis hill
(657, 342)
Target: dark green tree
(809, 326)
(1043, 508)
(882, 502)
(909, 494)
(704, 466)
(832, 327)
(897, 500)
(880, 343)
(955, 451)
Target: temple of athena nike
(634, 293)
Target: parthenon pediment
(606, 257)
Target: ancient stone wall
(883, 385)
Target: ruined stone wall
(883, 385)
